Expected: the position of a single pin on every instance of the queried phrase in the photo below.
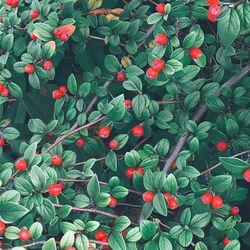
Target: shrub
(124, 124)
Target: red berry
(34, 14)
(158, 64)
(211, 17)
(63, 89)
(47, 65)
(174, 165)
(128, 104)
(104, 247)
(160, 8)
(105, 239)
(56, 160)
(104, 132)
(221, 146)
(140, 170)
(113, 202)
(226, 241)
(80, 142)
(213, 1)
(57, 94)
(21, 165)
(206, 198)
(121, 76)
(217, 202)
(2, 227)
(24, 235)
(113, 144)
(167, 196)
(161, 39)
(234, 210)
(2, 142)
(138, 131)
(130, 173)
(70, 248)
(33, 37)
(214, 10)
(29, 68)
(148, 196)
(1, 87)
(51, 136)
(57, 32)
(1, 20)
(172, 203)
(64, 37)
(152, 73)
(55, 190)
(124, 233)
(246, 175)
(1, 244)
(5, 92)
(12, 3)
(100, 235)
(195, 53)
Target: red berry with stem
(57, 94)
(29, 68)
(48, 65)
(206, 198)
(211, 2)
(21, 165)
(234, 210)
(226, 241)
(214, 10)
(2, 142)
(113, 144)
(34, 14)
(113, 202)
(56, 160)
(140, 170)
(100, 235)
(161, 39)
(121, 76)
(160, 8)
(104, 132)
(57, 32)
(63, 89)
(128, 104)
(55, 190)
(137, 131)
(33, 37)
(2, 227)
(152, 73)
(5, 92)
(148, 196)
(130, 173)
(80, 142)
(172, 203)
(221, 146)
(70, 248)
(158, 64)
(246, 175)
(24, 235)
(217, 202)
(167, 196)
(64, 37)
(195, 53)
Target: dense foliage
(125, 124)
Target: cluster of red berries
(21, 165)
(58, 93)
(131, 171)
(56, 160)
(3, 90)
(64, 37)
(216, 201)
(160, 8)
(195, 53)
(12, 3)
(121, 76)
(214, 10)
(113, 201)
(80, 142)
(34, 14)
(157, 65)
(221, 146)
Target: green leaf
(34, 80)
(133, 84)
(112, 64)
(233, 245)
(111, 160)
(186, 237)
(234, 165)
(10, 196)
(10, 133)
(116, 241)
(38, 178)
(92, 226)
(133, 235)
(15, 90)
(221, 183)
(36, 230)
(164, 243)
(71, 84)
(160, 204)
(121, 223)
(49, 244)
(81, 201)
(67, 240)
(118, 111)
(185, 217)
(82, 242)
(12, 233)
(200, 220)
(170, 184)
(119, 192)
(46, 210)
(132, 71)
(147, 229)
(93, 187)
(138, 104)
(200, 246)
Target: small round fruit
(57, 94)
(64, 37)
(2, 142)
(63, 89)
(104, 132)
(29, 68)
(206, 198)
(246, 175)
(217, 202)
(105, 239)
(221, 146)
(152, 73)
(211, 2)
(140, 170)
(120, 76)
(1, 87)
(214, 10)
(211, 17)
(161, 39)
(100, 235)
(160, 8)
(55, 190)
(80, 142)
(34, 14)
(124, 233)
(172, 203)
(57, 32)
(148, 196)
(56, 160)
(158, 64)
(174, 165)
(234, 210)
(12, 3)
(167, 196)
(113, 202)
(226, 241)
(70, 248)
(51, 136)
(137, 131)
(195, 53)
(48, 65)
(128, 104)
(130, 173)
(113, 144)
(1, 244)
(5, 92)
(21, 165)
(33, 37)
(2, 227)
(24, 235)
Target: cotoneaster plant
(124, 124)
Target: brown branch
(115, 12)
(202, 109)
